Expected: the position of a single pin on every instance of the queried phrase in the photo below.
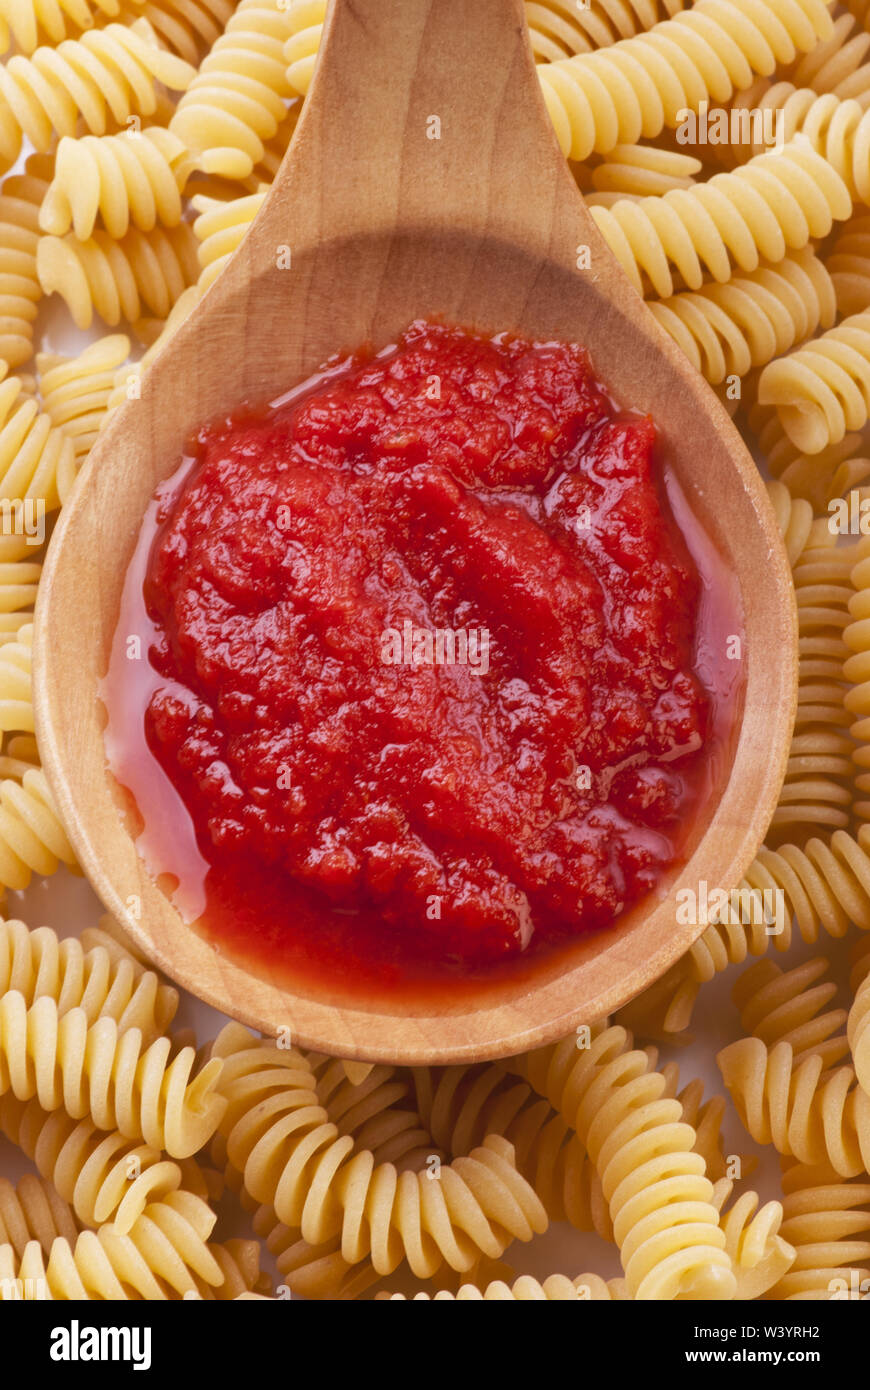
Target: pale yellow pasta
(849, 265)
(32, 1210)
(805, 1111)
(28, 23)
(557, 1288)
(664, 1220)
(107, 71)
(103, 1175)
(726, 330)
(777, 202)
(220, 227)
(118, 279)
(135, 177)
(818, 787)
(779, 1005)
(461, 1105)
(20, 197)
(164, 1255)
(640, 85)
(822, 390)
(37, 462)
(187, 27)
(827, 1221)
(16, 693)
(838, 64)
(238, 98)
(36, 962)
(279, 1137)
(32, 836)
(76, 390)
(759, 1254)
(858, 1029)
(640, 171)
(558, 28)
(96, 1069)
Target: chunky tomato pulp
(421, 664)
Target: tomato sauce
(429, 678)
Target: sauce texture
(422, 686)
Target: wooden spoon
(423, 179)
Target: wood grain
(385, 224)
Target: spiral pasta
(640, 171)
(33, 1211)
(824, 887)
(823, 1215)
(98, 1070)
(822, 389)
(849, 264)
(664, 1220)
(102, 1175)
(786, 1006)
(134, 177)
(727, 329)
(858, 1029)
(818, 786)
(117, 279)
(759, 1253)
(36, 963)
(776, 203)
(16, 695)
(805, 1111)
(26, 21)
(557, 1288)
(461, 1105)
(856, 670)
(115, 68)
(37, 462)
(836, 65)
(558, 28)
(186, 27)
(280, 1138)
(76, 390)
(236, 102)
(640, 85)
(20, 198)
(220, 228)
(164, 1254)
(32, 837)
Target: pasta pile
(138, 139)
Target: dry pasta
(75, 390)
(96, 1069)
(479, 1203)
(750, 274)
(118, 279)
(133, 178)
(858, 1024)
(777, 202)
(110, 70)
(806, 1111)
(30, 22)
(823, 1215)
(236, 102)
(726, 330)
(32, 1210)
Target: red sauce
(423, 666)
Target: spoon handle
(424, 113)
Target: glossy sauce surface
(429, 679)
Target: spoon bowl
(423, 180)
